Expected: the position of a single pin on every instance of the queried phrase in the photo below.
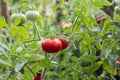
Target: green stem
(31, 40)
(74, 25)
(37, 31)
(30, 70)
(44, 70)
(43, 74)
(53, 56)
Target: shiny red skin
(64, 42)
(38, 77)
(51, 46)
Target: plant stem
(74, 25)
(44, 70)
(53, 56)
(43, 73)
(30, 70)
(37, 31)
(31, 40)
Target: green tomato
(32, 15)
(16, 16)
(117, 9)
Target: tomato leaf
(100, 3)
(19, 66)
(3, 23)
(33, 57)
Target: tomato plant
(59, 40)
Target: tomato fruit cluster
(55, 45)
(30, 15)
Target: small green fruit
(18, 16)
(32, 15)
(117, 9)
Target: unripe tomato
(18, 16)
(64, 42)
(32, 15)
(66, 25)
(117, 9)
(51, 46)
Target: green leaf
(100, 3)
(13, 31)
(45, 63)
(17, 21)
(105, 28)
(5, 46)
(107, 67)
(23, 32)
(3, 23)
(19, 66)
(112, 61)
(33, 57)
(39, 22)
(89, 58)
(96, 66)
(93, 68)
(5, 63)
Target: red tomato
(38, 77)
(98, 19)
(51, 46)
(64, 42)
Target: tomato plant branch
(30, 70)
(37, 31)
(31, 40)
(53, 56)
(43, 74)
(74, 23)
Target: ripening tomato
(117, 62)
(64, 42)
(51, 46)
(66, 25)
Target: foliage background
(93, 48)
